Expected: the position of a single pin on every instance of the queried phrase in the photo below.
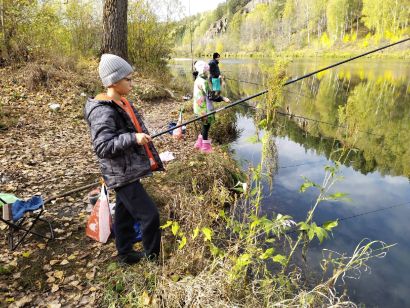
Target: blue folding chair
(21, 223)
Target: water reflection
(369, 192)
(364, 106)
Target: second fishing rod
(294, 80)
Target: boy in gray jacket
(125, 154)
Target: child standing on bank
(215, 74)
(203, 104)
(125, 154)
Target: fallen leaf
(54, 288)
(23, 301)
(85, 300)
(74, 283)
(13, 263)
(17, 275)
(71, 257)
(41, 245)
(26, 254)
(59, 274)
(90, 275)
(49, 274)
(146, 299)
(64, 262)
(52, 262)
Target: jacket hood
(93, 103)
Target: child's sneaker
(130, 258)
(198, 143)
(206, 146)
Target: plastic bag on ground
(99, 223)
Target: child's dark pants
(134, 204)
(205, 130)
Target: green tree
(83, 26)
(149, 40)
(15, 18)
(336, 16)
(386, 16)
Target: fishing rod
(210, 113)
(336, 64)
(73, 191)
(344, 61)
(285, 84)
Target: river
(376, 173)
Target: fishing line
(260, 84)
(324, 122)
(298, 165)
(296, 79)
(294, 230)
(314, 120)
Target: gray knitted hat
(113, 68)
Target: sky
(198, 6)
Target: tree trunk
(4, 50)
(115, 28)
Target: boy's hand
(226, 100)
(142, 138)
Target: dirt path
(45, 152)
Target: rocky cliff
(220, 26)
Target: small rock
(55, 107)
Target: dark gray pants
(205, 130)
(134, 204)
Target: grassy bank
(399, 55)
